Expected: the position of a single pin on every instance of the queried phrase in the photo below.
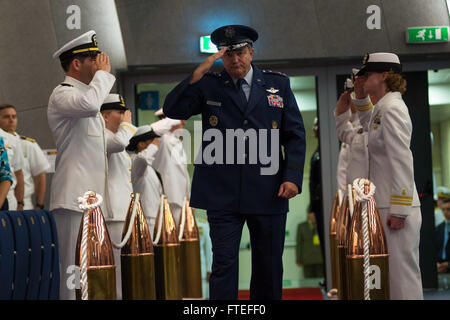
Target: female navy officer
(391, 169)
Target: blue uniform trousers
(267, 234)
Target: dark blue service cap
(233, 37)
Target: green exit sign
(206, 46)
(427, 34)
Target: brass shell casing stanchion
(101, 270)
(167, 257)
(191, 278)
(342, 230)
(378, 255)
(333, 241)
(137, 258)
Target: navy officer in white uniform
(238, 189)
(79, 133)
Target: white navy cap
(113, 101)
(380, 62)
(143, 133)
(84, 44)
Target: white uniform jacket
(119, 170)
(79, 133)
(35, 162)
(390, 157)
(342, 166)
(146, 182)
(352, 134)
(170, 162)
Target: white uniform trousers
(405, 280)
(115, 229)
(67, 226)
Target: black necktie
(240, 82)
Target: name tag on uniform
(316, 240)
(275, 101)
(214, 103)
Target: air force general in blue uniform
(243, 186)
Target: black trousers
(267, 234)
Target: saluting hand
(359, 88)
(127, 116)
(344, 103)
(155, 142)
(204, 67)
(288, 190)
(102, 62)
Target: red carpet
(291, 294)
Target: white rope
(183, 219)
(130, 226)
(339, 197)
(86, 207)
(358, 185)
(350, 199)
(161, 215)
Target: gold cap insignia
(94, 40)
(366, 58)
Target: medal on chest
(275, 101)
(377, 121)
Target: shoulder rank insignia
(28, 139)
(275, 72)
(272, 90)
(66, 85)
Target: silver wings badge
(272, 90)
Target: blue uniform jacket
(228, 185)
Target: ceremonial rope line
(130, 226)
(161, 216)
(358, 185)
(86, 207)
(183, 220)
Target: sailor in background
(17, 163)
(79, 133)
(144, 145)
(35, 164)
(391, 169)
(352, 135)
(119, 130)
(171, 163)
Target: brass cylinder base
(167, 272)
(342, 275)
(379, 277)
(191, 278)
(334, 260)
(101, 284)
(138, 277)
